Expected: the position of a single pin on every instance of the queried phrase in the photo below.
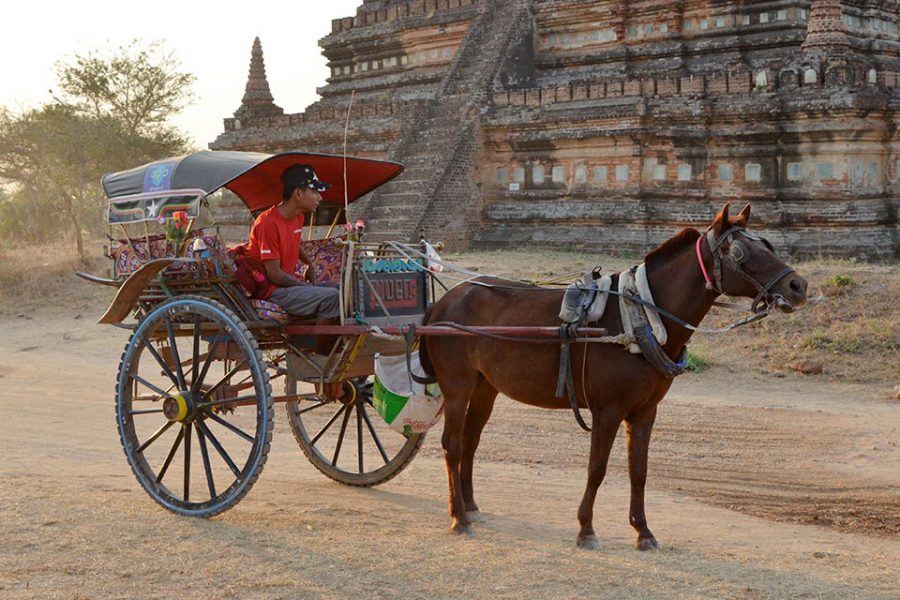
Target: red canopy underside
(261, 188)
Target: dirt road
(792, 493)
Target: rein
(677, 320)
(736, 255)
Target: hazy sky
(212, 40)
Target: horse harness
(581, 296)
(642, 331)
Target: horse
(616, 385)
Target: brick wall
(619, 121)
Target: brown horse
(617, 386)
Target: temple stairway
(439, 139)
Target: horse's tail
(424, 359)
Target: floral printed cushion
(269, 311)
(328, 258)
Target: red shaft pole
(508, 331)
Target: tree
(138, 86)
(54, 155)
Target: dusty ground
(794, 493)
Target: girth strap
(565, 384)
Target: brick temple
(609, 124)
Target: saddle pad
(598, 306)
(573, 309)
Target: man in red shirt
(275, 240)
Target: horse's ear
(743, 218)
(720, 224)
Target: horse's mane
(672, 246)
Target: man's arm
(279, 277)
(310, 269)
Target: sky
(212, 41)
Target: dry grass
(34, 277)
(851, 327)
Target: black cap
(301, 176)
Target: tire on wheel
(194, 406)
(346, 439)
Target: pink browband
(709, 284)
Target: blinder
(738, 252)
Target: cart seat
(327, 257)
(269, 311)
(129, 255)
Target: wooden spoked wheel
(194, 406)
(346, 439)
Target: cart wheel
(194, 406)
(346, 439)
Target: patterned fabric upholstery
(269, 311)
(327, 257)
(128, 258)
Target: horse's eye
(768, 244)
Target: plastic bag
(406, 406)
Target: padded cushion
(327, 257)
(269, 311)
(128, 258)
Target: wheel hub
(179, 407)
(348, 393)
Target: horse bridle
(736, 255)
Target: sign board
(393, 297)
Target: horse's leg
(480, 407)
(456, 401)
(603, 433)
(639, 426)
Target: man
(275, 241)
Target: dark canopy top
(253, 176)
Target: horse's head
(745, 265)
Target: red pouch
(251, 273)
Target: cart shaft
(443, 330)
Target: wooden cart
(194, 392)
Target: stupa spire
(825, 29)
(257, 101)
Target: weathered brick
(698, 111)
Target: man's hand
(310, 269)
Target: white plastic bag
(406, 406)
(433, 263)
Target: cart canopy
(255, 177)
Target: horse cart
(194, 393)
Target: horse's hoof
(461, 529)
(645, 544)
(474, 516)
(588, 542)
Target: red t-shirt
(274, 237)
